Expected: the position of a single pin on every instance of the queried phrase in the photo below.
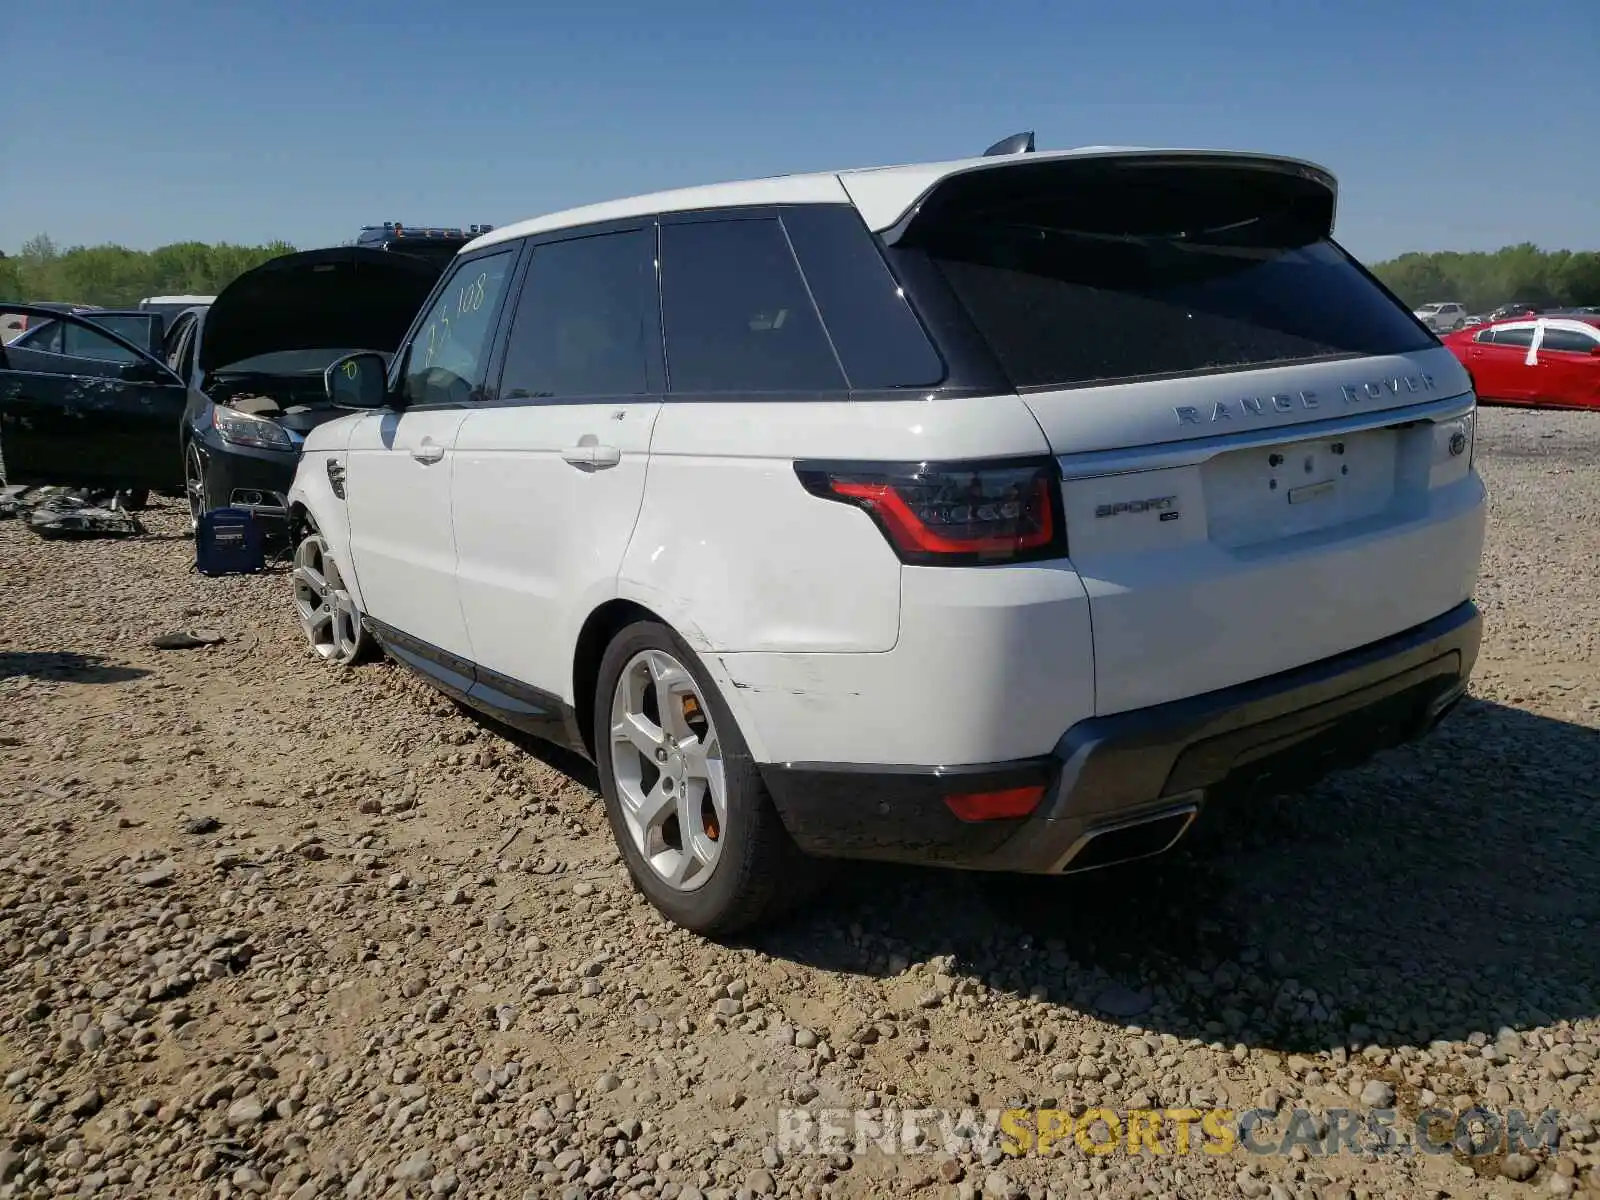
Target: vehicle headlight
(243, 429)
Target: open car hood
(343, 297)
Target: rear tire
(665, 743)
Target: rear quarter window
(1061, 308)
(880, 341)
(737, 315)
(1570, 340)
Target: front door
(87, 408)
(548, 480)
(400, 463)
(1499, 363)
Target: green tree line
(115, 275)
(1485, 280)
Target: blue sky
(1464, 125)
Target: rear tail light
(953, 513)
(1007, 803)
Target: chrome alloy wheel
(667, 760)
(194, 483)
(327, 612)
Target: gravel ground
(269, 929)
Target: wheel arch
(600, 627)
(312, 502)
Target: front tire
(194, 482)
(328, 613)
(686, 803)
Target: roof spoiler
(1017, 143)
(1290, 185)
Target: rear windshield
(1063, 307)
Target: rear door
(1568, 370)
(550, 471)
(1252, 432)
(94, 411)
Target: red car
(1551, 361)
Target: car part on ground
(65, 514)
(188, 639)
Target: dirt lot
(270, 929)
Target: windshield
(288, 362)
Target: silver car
(1442, 316)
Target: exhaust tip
(1144, 836)
(1444, 704)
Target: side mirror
(357, 381)
(1594, 351)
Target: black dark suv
(240, 386)
(435, 243)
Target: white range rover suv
(997, 513)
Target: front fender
(316, 496)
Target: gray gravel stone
(1377, 1094)
(1518, 1167)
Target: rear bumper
(1127, 785)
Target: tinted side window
(172, 344)
(582, 321)
(446, 360)
(1570, 340)
(1486, 335)
(44, 337)
(81, 342)
(879, 339)
(737, 314)
(1521, 338)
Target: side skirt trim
(511, 702)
